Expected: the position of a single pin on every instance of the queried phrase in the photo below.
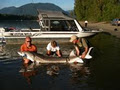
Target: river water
(102, 72)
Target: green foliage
(97, 10)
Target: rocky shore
(106, 27)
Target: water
(102, 72)
(19, 24)
(106, 63)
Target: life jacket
(81, 43)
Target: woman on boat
(28, 46)
(80, 45)
(53, 49)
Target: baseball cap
(73, 38)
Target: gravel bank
(106, 27)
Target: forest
(17, 17)
(97, 10)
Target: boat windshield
(58, 25)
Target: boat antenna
(32, 1)
(34, 5)
(36, 10)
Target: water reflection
(80, 73)
(28, 71)
(3, 53)
(76, 73)
(53, 70)
(1, 48)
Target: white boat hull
(42, 37)
(45, 34)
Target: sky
(64, 4)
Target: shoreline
(106, 27)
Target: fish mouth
(20, 53)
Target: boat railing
(19, 34)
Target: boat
(53, 25)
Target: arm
(22, 48)
(48, 49)
(86, 48)
(77, 51)
(48, 52)
(35, 49)
(84, 53)
(59, 53)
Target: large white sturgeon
(39, 58)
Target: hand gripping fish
(39, 58)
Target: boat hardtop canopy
(57, 21)
(59, 15)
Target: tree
(97, 10)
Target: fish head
(27, 55)
(21, 54)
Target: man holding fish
(80, 45)
(28, 46)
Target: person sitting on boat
(28, 46)
(53, 49)
(81, 46)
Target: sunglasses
(28, 41)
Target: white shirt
(86, 21)
(53, 49)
